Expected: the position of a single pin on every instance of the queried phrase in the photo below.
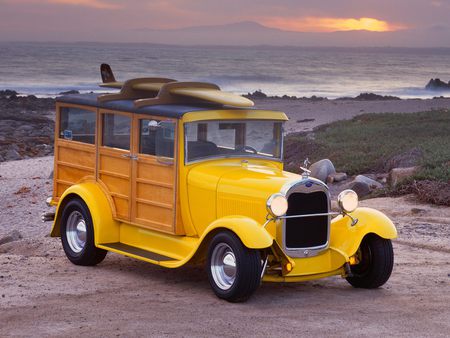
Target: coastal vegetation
(376, 143)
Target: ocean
(46, 69)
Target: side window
(157, 138)
(77, 125)
(116, 131)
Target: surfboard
(213, 95)
(117, 85)
(150, 87)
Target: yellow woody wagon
(181, 172)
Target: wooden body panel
(140, 187)
(114, 171)
(74, 161)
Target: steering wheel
(246, 147)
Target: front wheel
(375, 263)
(77, 234)
(234, 271)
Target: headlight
(277, 205)
(348, 200)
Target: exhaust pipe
(48, 216)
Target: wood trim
(157, 204)
(76, 166)
(151, 182)
(122, 196)
(110, 173)
(64, 182)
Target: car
(175, 172)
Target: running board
(135, 252)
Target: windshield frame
(235, 156)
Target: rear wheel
(376, 261)
(77, 234)
(234, 271)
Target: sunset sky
(114, 20)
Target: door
(154, 173)
(115, 159)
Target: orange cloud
(87, 3)
(314, 24)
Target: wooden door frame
(101, 147)
(136, 133)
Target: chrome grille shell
(306, 186)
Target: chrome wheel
(223, 266)
(76, 231)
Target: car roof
(165, 110)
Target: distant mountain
(252, 33)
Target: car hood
(236, 187)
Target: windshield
(233, 138)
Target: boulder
(336, 177)
(397, 175)
(370, 182)
(361, 188)
(321, 169)
(12, 155)
(407, 159)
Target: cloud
(320, 24)
(98, 4)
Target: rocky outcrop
(437, 84)
(26, 126)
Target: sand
(326, 111)
(43, 294)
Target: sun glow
(314, 24)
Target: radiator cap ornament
(306, 171)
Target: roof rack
(159, 91)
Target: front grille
(306, 232)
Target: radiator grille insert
(307, 232)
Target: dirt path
(43, 294)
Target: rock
(336, 177)
(321, 169)
(375, 97)
(370, 182)
(361, 188)
(437, 84)
(257, 94)
(69, 92)
(12, 155)
(8, 93)
(407, 159)
(11, 237)
(50, 177)
(397, 175)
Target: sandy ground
(305, 115)
(43, 294)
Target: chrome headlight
(348, 200)
(277, 205)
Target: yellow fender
(250, 232)
(106, 229)
(346, 238)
